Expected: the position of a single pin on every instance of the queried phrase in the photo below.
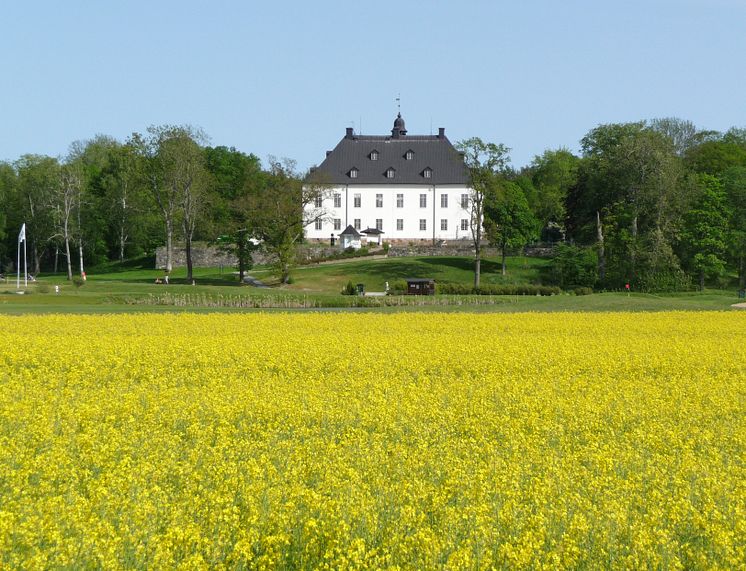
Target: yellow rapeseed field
(372, 441)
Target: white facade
(404, 213)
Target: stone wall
(202, 257)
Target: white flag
(22, 234)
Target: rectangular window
(337, 224)
(423, 224)
(443, 224)
(379, 200)
(464, 224)
(337, 200)
(423, 200)
(317, 201)
(356, 199)
(464, 201)
(379, 223)
(356, 224)
(400, 201)
(444, 201)
(427, 173)
(317, 225)
(400, 224)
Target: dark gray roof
(372, 231)
(434, 152)
(350, 231)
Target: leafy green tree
(734, 183)
(237, 179)
(630, 195)
(178, 179)
(7, 190)
(37, 182)
(281, 210)
(508, 220)
(554, 173)
(706, 228)
(574, 266)
(486, 163)
(714, 157)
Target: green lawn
(116, 288)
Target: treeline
(660, 205)
(108, 200)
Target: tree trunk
(80, 256)
(504, 269)
(241, 258)
(169, 246)
(477, 268)
(188, 248)
(56, 257)
(69, 262)
(702, 280)
(122, 242)
(633, 251)
(601, 250)
(741, 273)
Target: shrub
(583, 290)
(42, 288)
(349, 289)
(78, 281)
(574, 266)
(497, 289)
(397, 287)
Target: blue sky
(286, 78)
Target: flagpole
(18, 267)
(25, 265)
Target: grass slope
(108, 287)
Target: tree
(508, 220)
(628, 199)
(734, 183)
(177, 178)
(7, 190)
(485, 162)
(553, 174)
(38, 180)
(284, 205)
(66, 202)
(683, 134)
(237, 178)
(705, 230)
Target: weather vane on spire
(398, 103)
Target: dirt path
(739, 305)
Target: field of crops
(369, 441)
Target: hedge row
(497, 289)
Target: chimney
(328, 153)
(441, 133)
(348, 133)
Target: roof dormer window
(409, 155)
(428, 173)
(373, 155)
(390, 172)
(353, 172)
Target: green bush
(574, 266)
(42, 288)
(78, 281)
(496, 289)
(398, 287)
(349, 289)
(583, 290)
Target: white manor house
(409, 187)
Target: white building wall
(410, 213)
